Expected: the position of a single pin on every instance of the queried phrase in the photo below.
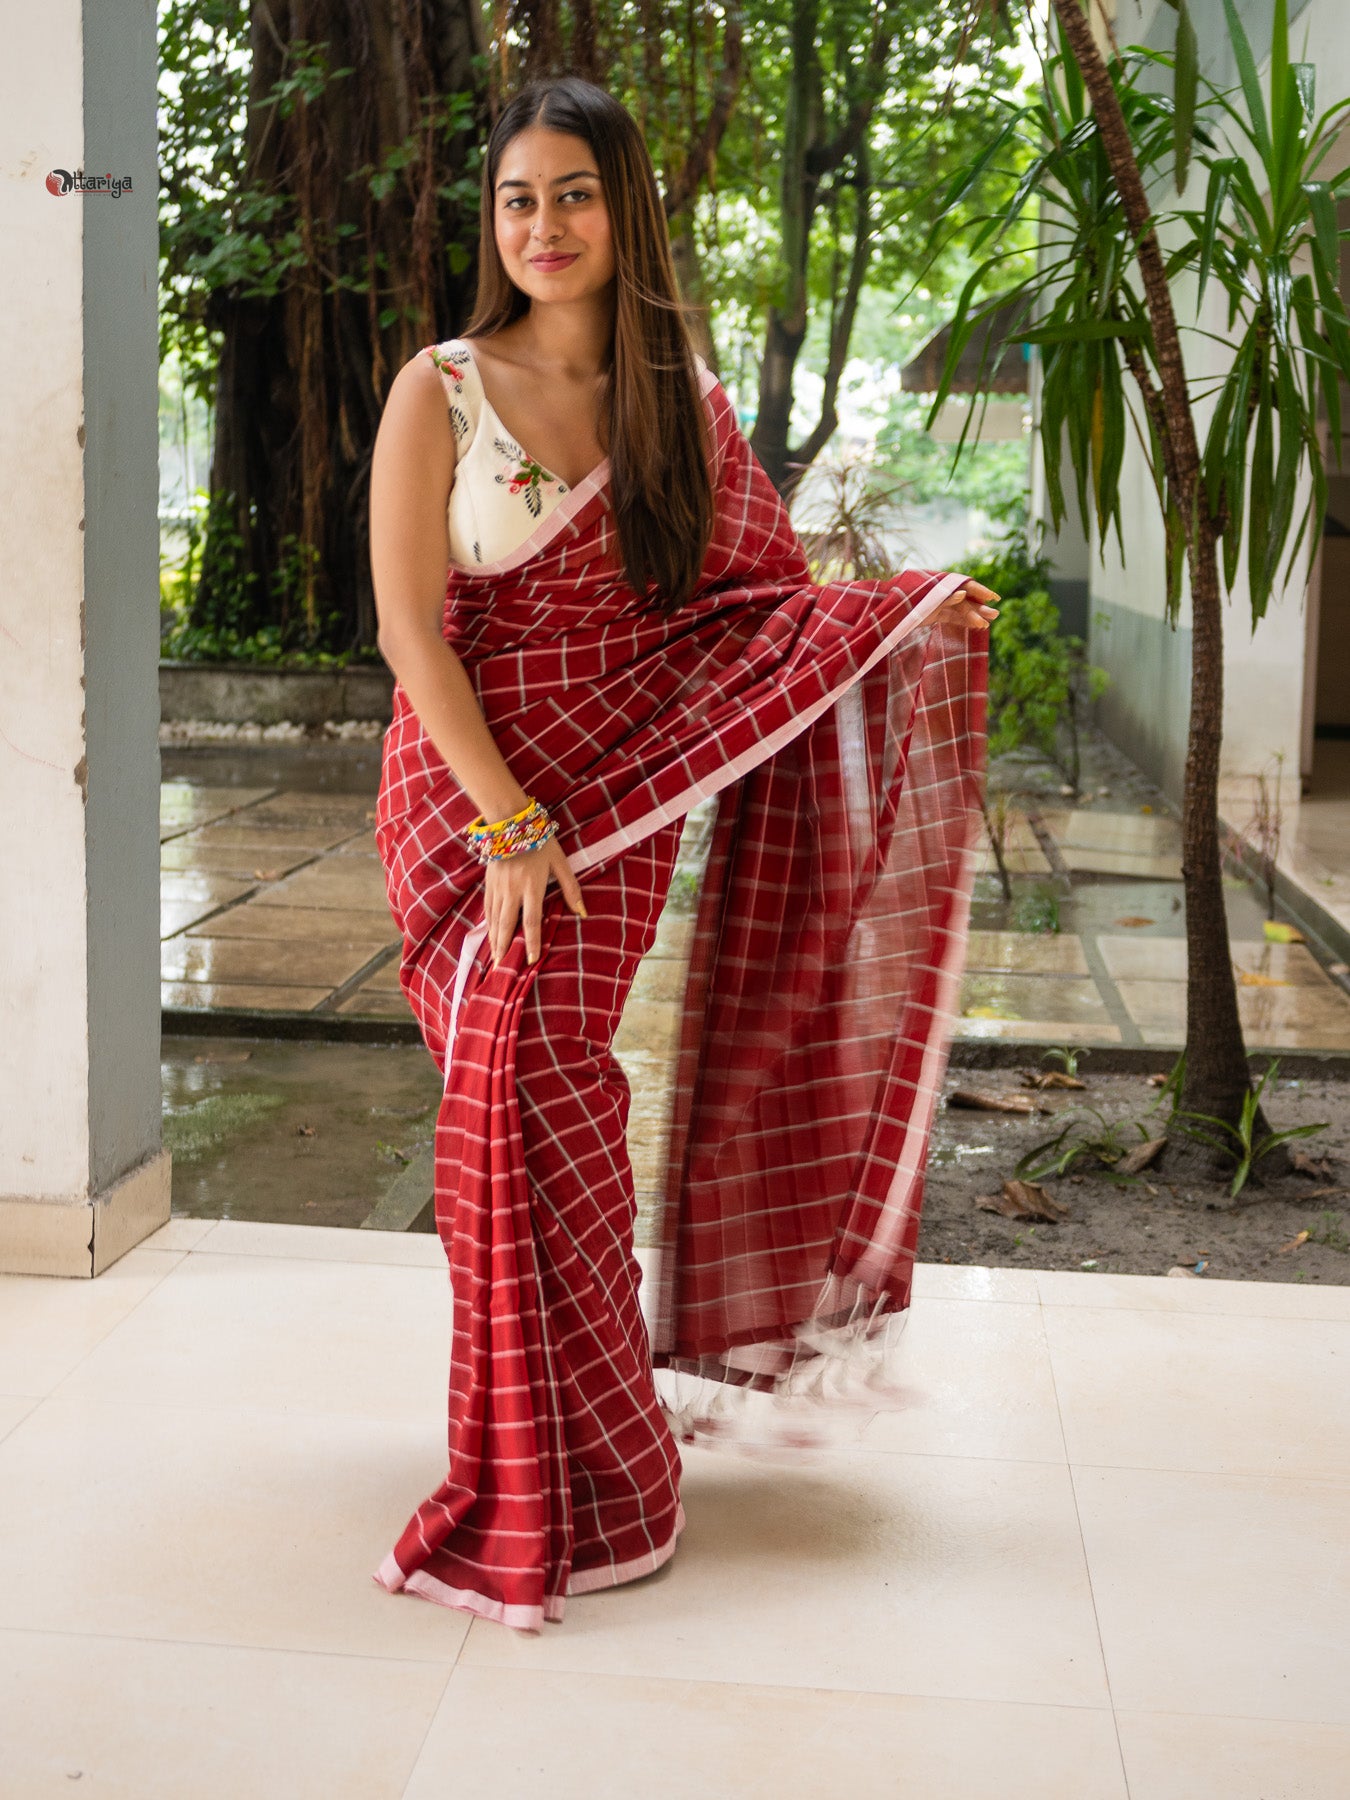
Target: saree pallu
(843, 738)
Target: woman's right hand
(513, 890)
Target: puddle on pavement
(952, 1156)
(1093, 905)
(294, 1133)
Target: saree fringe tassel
(843, 739)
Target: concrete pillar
(82, 1173)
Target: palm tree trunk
(1217, 1080)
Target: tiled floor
(1103, 1557)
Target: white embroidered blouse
(499, 494)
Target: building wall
(79, 989)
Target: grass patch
(189, 1134)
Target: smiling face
(549, 216)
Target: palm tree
(1101, 307)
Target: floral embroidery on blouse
(522, 475)
(454, 364)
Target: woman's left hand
(969, 607)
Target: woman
(630, 627)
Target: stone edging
(234, 693)
(967, 1053)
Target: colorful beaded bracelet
(525, 830)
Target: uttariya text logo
(62, 181)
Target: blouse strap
(463, 390)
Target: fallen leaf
(1025, 1200)
(1277, 932)
(979, 1100)
(1052, 1078)
(1325, 1193)
(1138, 1159)
(1132, 922)
(1177, 1269)
(1293, 1243)
(1249, 978)
(267, 874)
(305, 1131)
(1157, 1080)
(1318, 1168)
(1146, 809)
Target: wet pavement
(276, 923)
(273, 905)
(317, 1134)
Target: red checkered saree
(843, 737)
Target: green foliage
(930, 118)
(1240, 1141)
(992, 477)
(1267, 233)
(1330, 1230)
(318, 205)
(849, 505)
(223, 230)
(203, 86)
(214, 543)
(1068, 1056)
(192, 1131)
(1037, 910)
(1171, 1088)
(1040, 682)
(1267, 214)
(1086, 1135)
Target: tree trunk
(350, 279)
(1217, 1080)
(689, 275)
(810, 154)
(783, 338)
(798, 182)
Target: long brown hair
(652, 421)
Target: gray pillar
(82, 1173)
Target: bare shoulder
(417, 392)
(415, 429)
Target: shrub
(1040, 681)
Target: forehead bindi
(543, 159)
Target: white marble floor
(1106, 1554)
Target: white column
(82, 1173)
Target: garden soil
(1147, 1224)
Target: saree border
(587, 855)
(390, 1576)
